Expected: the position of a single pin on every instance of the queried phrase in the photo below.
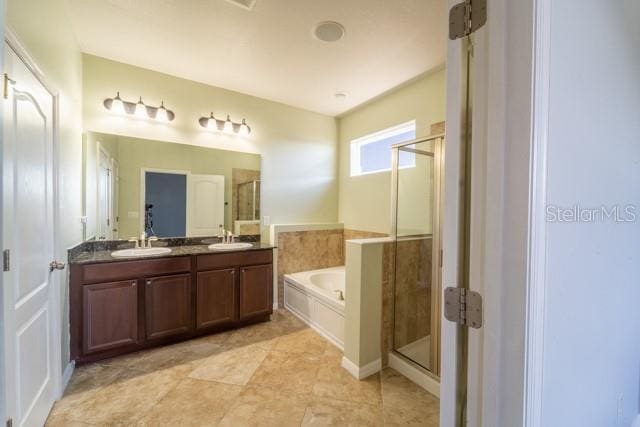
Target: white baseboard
(636, 422)
(364, 371)
(414, 374)
(66, 376)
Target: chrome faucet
(151, 239)
(143, 242)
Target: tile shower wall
(359, 234)
(413, 293)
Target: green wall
(298, 148)
(365, 201)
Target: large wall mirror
(133, 185)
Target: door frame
(59, 252)
(143, 193)
(101, 150)
(508, 236)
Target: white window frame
(357, 144)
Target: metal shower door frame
(436, 250)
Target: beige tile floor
(279, 373)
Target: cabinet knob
(148, 282)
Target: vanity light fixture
(138, 109)
(227, 126)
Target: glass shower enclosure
(416, 193)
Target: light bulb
(244, 128)
(228, 125)
(141, 110)
(117, 106)
(161, 114)
(211, 123)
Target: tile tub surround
(307, 250)
(289, 375)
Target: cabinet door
(216, 298)
(256, 291)
(110, 315)
(167, 305)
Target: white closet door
(30, 351)
(205, 204)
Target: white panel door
(28, 235)
(115, 182)
(104, 195)
(205, 204)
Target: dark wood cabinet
(256, 291)
(123, 306)
(167, 305)
(216, 298)
(110, 315)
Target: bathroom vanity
(118, 306)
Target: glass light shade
(228, 126)
(117, 106)
(161, 114)
(244, 129)
(141, 110)
(211, 123)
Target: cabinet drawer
(215, 261)
(135, 268)
(110, 315)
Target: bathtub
(317, 297)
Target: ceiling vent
(329, 31)
(245, 4)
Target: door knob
(56, 265)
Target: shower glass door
(416, 182)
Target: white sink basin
(139, 252)
(230, 246)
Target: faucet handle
(136, 241)
(151, 239)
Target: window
(372, 153)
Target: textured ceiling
(270, 52)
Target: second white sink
(139, 252)
(230, 246)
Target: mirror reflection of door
(115, 217)
(205, 206)
(105, 197)
(165, 207)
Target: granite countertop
(100, 252)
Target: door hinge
(6, 260)
(5, 85)
(467, 17)
(9, 422)
(463, 306)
